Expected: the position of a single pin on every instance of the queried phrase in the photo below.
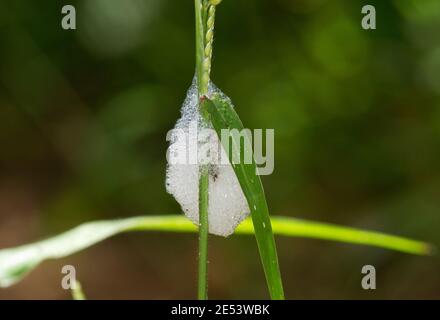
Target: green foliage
(15, 263)
(357, 131)
(77, 291)
(223, 116)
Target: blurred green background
(84, 114)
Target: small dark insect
(213, 171)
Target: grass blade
(15, 263)
(223, 116)
(77, 291)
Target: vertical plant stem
(200, 16)
(200, 44)
(203, 234)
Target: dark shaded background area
(84, 114)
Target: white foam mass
(227, 203)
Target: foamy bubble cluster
(227, 203)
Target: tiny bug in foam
(227, 203)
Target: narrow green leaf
(224, 117)
(77, 291)
(15, 263)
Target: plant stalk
(203, 233)
(202, 84)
